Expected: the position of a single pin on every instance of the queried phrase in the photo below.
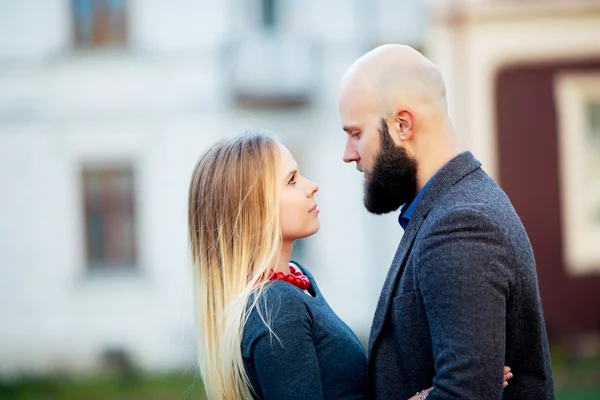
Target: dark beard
(392, 181)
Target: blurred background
(105, 106)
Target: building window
(578, 112)
(99, 24)
(592, 144)
(109, 206)
(268, 14)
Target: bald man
(461, 297)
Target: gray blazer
(461, 299)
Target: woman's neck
(283, 262)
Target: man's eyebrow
(350, 128)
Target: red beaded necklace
(296, 278)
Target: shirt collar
(408, 209)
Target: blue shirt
(408, 209)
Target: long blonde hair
(233, 223)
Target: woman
(264, 329)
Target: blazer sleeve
(463, 276)
(284, 353)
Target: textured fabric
(461, 299)
(310, 353)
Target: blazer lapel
(457, 168)
(392, 277)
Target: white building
(105, 107)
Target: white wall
(157, 104)
(32, 29)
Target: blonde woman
(265, 330)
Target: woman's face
(299, 214)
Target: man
(461, 297)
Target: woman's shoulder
(279, 306)
(277, 297)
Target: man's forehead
(356, 111)
(352, 105)
(351, 118)
(358, 98)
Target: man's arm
(463, 273)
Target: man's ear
(404, 123)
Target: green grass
(165, 387)
(574, 380)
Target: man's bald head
(392, 76)
(392, 106)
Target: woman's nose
(313, 188)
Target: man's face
(360, 121)
(389, 171)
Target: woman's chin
(309, 232)
(316, 230)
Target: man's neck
(433, 159)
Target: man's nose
(350, 153)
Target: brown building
(524, 90)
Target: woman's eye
(293, 180)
